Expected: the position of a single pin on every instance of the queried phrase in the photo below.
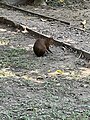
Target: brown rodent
(42, 45)
(23, 2)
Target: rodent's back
(39, 47)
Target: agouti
(42, 45)
(23, 2)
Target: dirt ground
(53, 87)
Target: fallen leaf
(6, 73)
(4, 42)
(61, 1)
(3, 30)
(43, 20)
(57, 72)
(60, 71)
(84, 23)
(48, 70)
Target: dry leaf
(61, 1)
(43, 20)
(3, 30)
(4, 42)
(57, 72)
(83, 23)
(6, 73)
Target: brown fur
(23, 2)
(42, 45)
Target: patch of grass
(23, 118)
(54, 3)
(80, 116)
(14, 58)
(55, 115)
(5, 116)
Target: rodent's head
(51, 41)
